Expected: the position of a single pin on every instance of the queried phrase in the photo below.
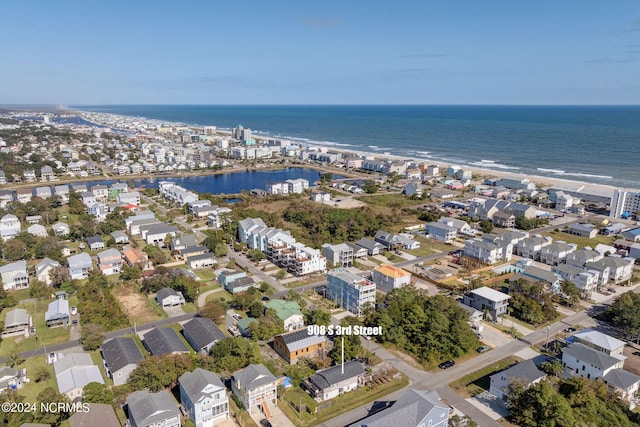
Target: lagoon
(227, 183)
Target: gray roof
(118, 234)
(161, 341)
(541, 274)
(242, 282)
(165, 293)
(120, 352)
(187, 240)
(94, 239)
(526, 371)
(203, 331)
(76, 370)
(593, 357)
(159, 229)
(409, 410)
(369, 244)
(301, 339)
(328, 377)
(44, 264)
(58, 309)
(149, 408)
(193, 249)
(17, 317)
(194, 382)
(253, 376)
(620, 378)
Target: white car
(52, 358)
(74, 311)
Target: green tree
(213, 310)
(234, 353)
(370, 187)
(624, 314)
(97, 393)
(541, 405)
(553, 367)
(265, 327)
(49, 396)
(130, 273)
(570, 292)
(486, 226)
(317, 316)
(38, 289)
(14, 358)
(256, 309)
(43, 373)
(92, 336)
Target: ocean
(598, 144)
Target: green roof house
(288, 312)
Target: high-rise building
(351, 291)
(624, 204)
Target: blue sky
(320, 52)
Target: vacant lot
(136, 306)
(580, 241)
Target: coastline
(478, 172)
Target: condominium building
(350, 291)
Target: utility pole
(548, 330)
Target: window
(119, 374)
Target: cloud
(634, 27)
(319, 22)
(425, 55)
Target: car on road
(447, 364)
(569, 330)
(483, 348)
(52, 358)
(479, 335)
(74, 322)
(636, 353)
(265, 423)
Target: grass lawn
(340, 404)
(203, 289)
(580, 241)
(97, 360)
(20, 295)
(189, 307)
(205, 275)
(386, 200)
(218, 296)
(479, 381)
(429, 246)
(31, 389)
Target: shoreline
(541, 181)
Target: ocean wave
(373, 146)
(493, 165)
(579, 174)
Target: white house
(9, 227)
(388, 277)
(484, 298)
(256, 387)
(14, 276)
(44, 268)
(525, 372)
(204, 397)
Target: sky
(549, 52)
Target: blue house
(204, 397)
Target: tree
(42, 374)
(234, 353)
(92, 336)
(14, 358)
(370, 187)
(97, 393)
(130, 273)
(553, 367)
(256, 255)
(38, 289)
(570, 292)
(255, 309)
(14, 249)
(265, 327)
(317, 317)
(541, 405)
(624, 314)
(325, 178)
(213, 310)
(49, 396)
(486, 226)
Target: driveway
(494, 337)
(490, 405)
(174, 311)
(278, 418)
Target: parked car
(479, 335)
(447, 364)
(483, 348)
(74, 310)
(74, 322)
(52, 358)
(569, 330)
(265, 423)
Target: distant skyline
(332, 52)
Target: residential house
(101, 192)
(584, 280)
(120, 355)
(414, 408)
(44, 268)
(632, 234)
(9, 227)
(487, 252)
(42, 192)
(80, 265)
(203, 397)
(14, 276)
(585, 361)
(155, 234)
(97, 209)
(202, 333)
(120, 237)
(236, 281)
(556, 253)
(110, 261)
(62, 191)
(582, 256)
(441, 232)
(620, 269)
(388, 240)
(46, 173)
(504, 220)
(321, 197)
(95, 411)
(12, 379)
(531, 247)
(297, 186)
(585, 229)
(600, 342)
(182, 242)
(218, 217)
(57, 313)
(29, 175)
(299, 344)
(134, 256)
(534, 274)
(88, 198)
(33, 219)
(372, 247)
(167, 297)
(388, 277)
(17, 322)
(488, 300)
(73, 372)
(159, 341)
(340, 255)
(601, 270)
(526, 373)
(37, 230)
(153, 409)
(6, 197)
(201, 261)
(191, 251)
(129, 198)
(358, 251)
(350, 291)
(61, 229)
(288, 313)
(95, 243)
(336, 380)
(256, 388)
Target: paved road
(242, 261)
